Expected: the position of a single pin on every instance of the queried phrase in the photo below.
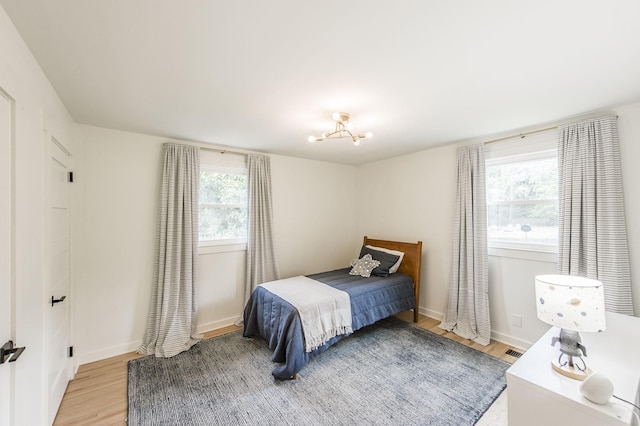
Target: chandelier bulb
(312, 139)
(368, 135)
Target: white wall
(411, 197)
(38, 108)
(119, 178)
(315, 215)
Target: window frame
(228, 244)
(535, 147)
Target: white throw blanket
(325, 312)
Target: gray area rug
(389, 373)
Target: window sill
(222, 248)
(548, 256)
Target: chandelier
(343, 130)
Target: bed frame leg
(415, 315)
(294, 377)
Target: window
(222, 203)
(522, 201)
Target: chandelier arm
(332, 134)
(341, 130)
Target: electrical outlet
(516, 320)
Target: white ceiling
(264, 75)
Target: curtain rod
(531, 132)
(222, 151)
(521, 135)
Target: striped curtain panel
(171, 325)
(468, 311)
(592, 231)
(261, 259)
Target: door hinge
(71, 177)
(70, 351)
(8, 350)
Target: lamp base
(571, 371)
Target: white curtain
(261, 259)
(468, 310)
(171, 324)
(592, 231)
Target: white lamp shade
(570, 302)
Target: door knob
(9, 350)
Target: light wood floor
(98, 393)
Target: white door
(59, 368)
(7, 285)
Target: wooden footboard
(410, 263)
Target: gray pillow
(387, 260)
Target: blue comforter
(278, 322)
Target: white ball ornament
(597, 388)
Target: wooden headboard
(410, 263)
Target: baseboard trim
(125, 348)
(214, 325)
(497, 336)
(431, 313)
(511, 341)
(105, 353)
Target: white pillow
(396, 265)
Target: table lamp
(573, 304)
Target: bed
(371, 299)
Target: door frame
(7, 412)
(53, 401)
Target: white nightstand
(539, 396)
